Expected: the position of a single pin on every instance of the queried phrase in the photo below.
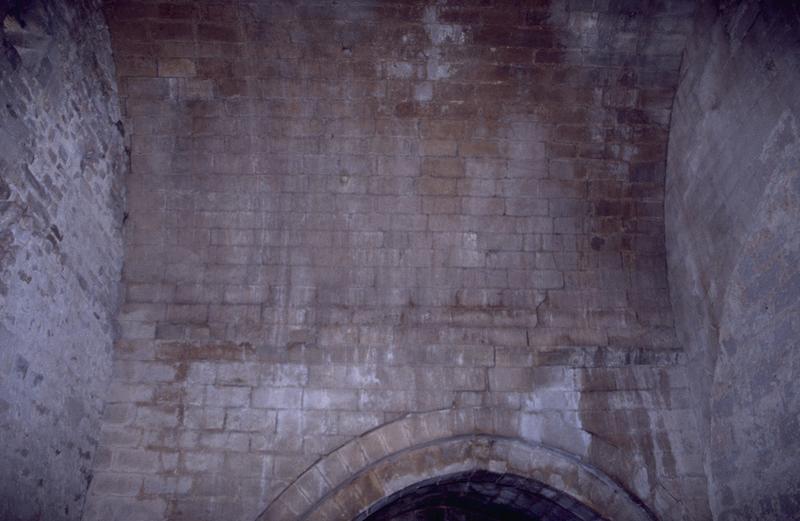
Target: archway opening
(478, 495)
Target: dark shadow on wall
(25, 34)
(478, 496)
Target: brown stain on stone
(190, 352)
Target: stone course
(344, 213)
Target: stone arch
(423, 446)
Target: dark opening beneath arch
(479, 496)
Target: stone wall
(345, 212)
(733, 208)
(61, 200)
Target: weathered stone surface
(345, 213)
(733, 207)
(374, 245)
(62, 161)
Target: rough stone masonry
(733, 207)
(62, 161)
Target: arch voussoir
(425, 446)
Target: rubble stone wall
(733, 208)
(62, 166)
